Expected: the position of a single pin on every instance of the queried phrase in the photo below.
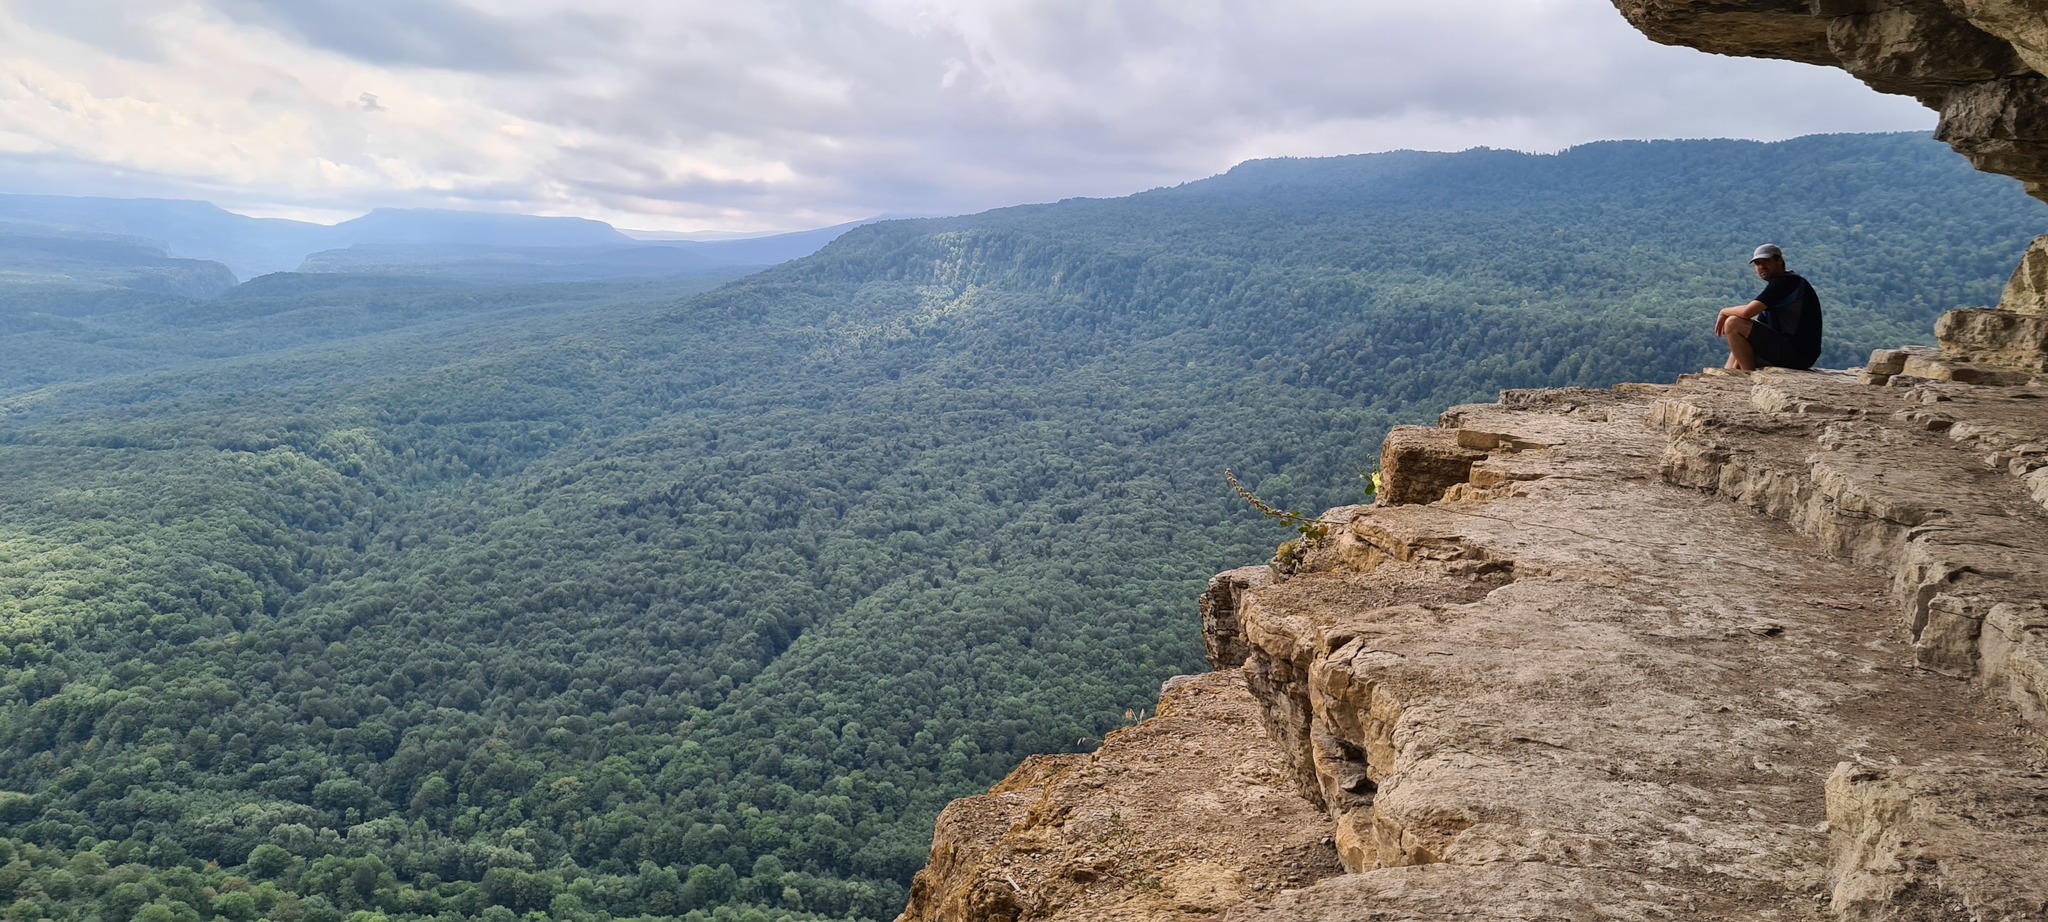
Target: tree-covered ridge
(36, 257)
(598, 601)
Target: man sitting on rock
(1781, 328)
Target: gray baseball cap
(1767, 251)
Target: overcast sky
(782, 114)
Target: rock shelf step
(1742, 647)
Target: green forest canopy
(358, 598)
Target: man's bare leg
(1741, 357)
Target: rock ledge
(1759, 647)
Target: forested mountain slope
(67, 335)
(596, 599)
(36, 257)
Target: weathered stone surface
(1886, 362)
(1919, 49)
(2002, 338)
(1606, 698)
(1911, 844)
(1766, 29)
(1417, 464)
(2016, 21)
(1500, 891)
(2001, 126)
(1174, 820)
(1222, 635)
(2027, 292)
(1936, 367)
(1619, 690)
(1925, 483)
(2014, 648)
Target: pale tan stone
(1887, 362)
(1955, 842)
(1174, 820)
(1417, 464)
(1222, 633)
(1997, 337)
(2015, 656)
(1622, 691)
(2027, 291)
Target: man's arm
(1745, 311)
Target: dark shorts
(1774, 349)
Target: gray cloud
(118, 27)
(443, 34)
(778, 113)
(1094, 98)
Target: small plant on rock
(1372, 482)
(1312, 529)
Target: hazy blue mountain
(478, 247)
(513, 265)
(519, 264)
(720, 236)
(436, 226)
(184, 229)
(772, 249)
(43, 256)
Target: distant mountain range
(197, 248)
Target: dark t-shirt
(1792, 310)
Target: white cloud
(784, 113)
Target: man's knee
(1739, 326)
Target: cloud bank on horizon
(801, 113)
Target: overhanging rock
(1977, 62)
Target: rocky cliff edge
(1761, 647)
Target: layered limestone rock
(1570, 688)
(1980, 63)
(1940, 485)
(1762, 647)
(1977, 62)
(1175, 820)
(2015, 336)
(1937, 843)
